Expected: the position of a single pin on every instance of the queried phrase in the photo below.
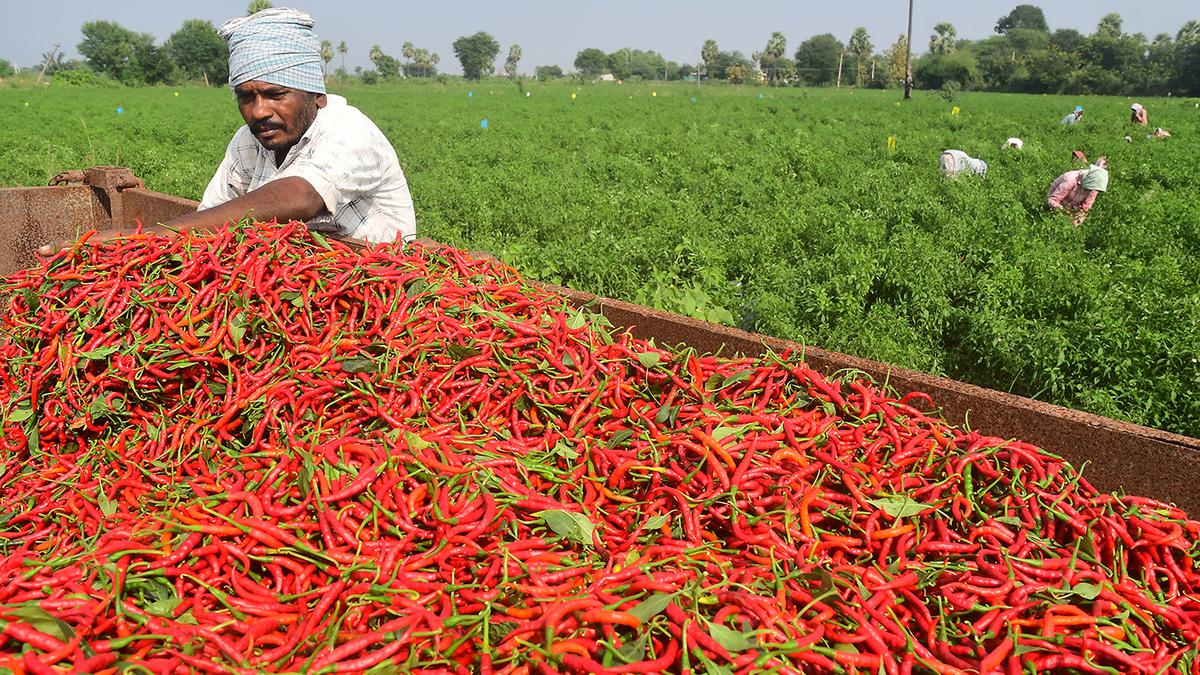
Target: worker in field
(954, 163)
(1074, 117)
(1075, 191)
(1014, 144)
(1137, 115)
(303, 154)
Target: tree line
(1023, 56)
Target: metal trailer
(1115, 455)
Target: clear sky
(551, 32)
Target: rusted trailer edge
(1115, 455)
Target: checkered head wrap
(275, 45)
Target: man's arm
(284, 199)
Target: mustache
(259, 127)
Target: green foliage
(6, 68)
(817, 60)
(548, 72)
(1023, 16)
(126, 56)
(477, 54)
(729, 209)
(591, 62)
(82, 77)
(199, 51)
(257, 6)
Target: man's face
(277, 116)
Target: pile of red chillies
(256, 449)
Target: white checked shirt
(346, 159)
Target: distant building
(607, 77)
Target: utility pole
(839, 80)
(908, 80)
(47, 62)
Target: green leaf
(633, 651)
(1009, 520)
(416, 287)
(461, 353)
(569, 524)
(619, 438)
(565, 451)
(360, 364)
(321, 240)
(164, 608)
(107, 506)
(101, 353)
(44, 621)
(667, 414)
(20, 414)
(729, 638)
(649, 359)
(740, 376)
(713, 383)
(416, 441)
(32, 300)
(655, 523)
(651, 606)
(237, 327)
(1086, 591)
(721, 433)
(900, 506)
(577, 320)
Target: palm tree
(860, 46)
(942, 40)
(343, 49)
(326, 54)
(708, 54)
(775, 49)
(1189, 34)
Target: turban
(1096, 179)
(275, 45)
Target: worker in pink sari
(1075, 191)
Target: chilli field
(780, 211)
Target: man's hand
(103, 235)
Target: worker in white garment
(303, 154)
(956, 162)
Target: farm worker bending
(1014, 144)
(1137, 115)
(956, 162)
(1073, 118)
(303, 154)
(1076, 190)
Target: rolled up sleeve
(344, 170)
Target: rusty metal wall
(150, 208)
(1115, 455)
(32, 217)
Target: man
(303, 154)
(1073, 118)
(956, 162)
(1075, 191)
(1014, 144)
